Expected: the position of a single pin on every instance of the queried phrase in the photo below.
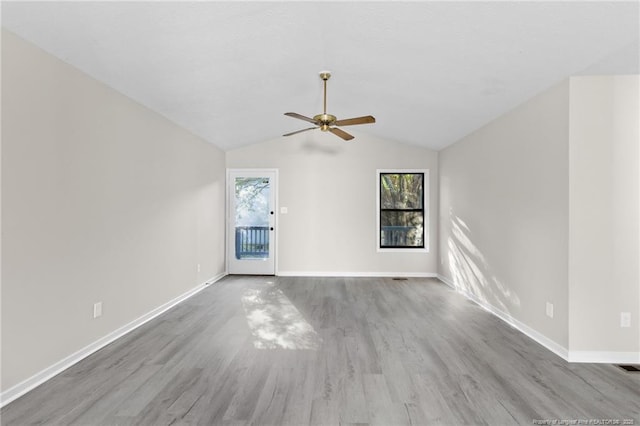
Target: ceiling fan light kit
(327, 122)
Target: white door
(251, 221)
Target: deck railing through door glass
(252, 242)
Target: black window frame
(381, 209)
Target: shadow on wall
(311, 146)
(471, 272)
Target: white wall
(102, 200)
(542, 205)
(604, 276)
(504, 213)
(329, 188)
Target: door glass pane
(252, 217)
(401, 229)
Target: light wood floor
(266, 350)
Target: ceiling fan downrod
(325, 120)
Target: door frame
(228, 216)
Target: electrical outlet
(97, 309)
(550, 310)
(198, 267)
(625, 319)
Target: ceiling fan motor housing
(325, 120)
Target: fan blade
(299, 131)
(300, 117)
(344, 135)
(367, 119)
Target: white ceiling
(430, 72)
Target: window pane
(401, 190)
(401, 229)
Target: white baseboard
(602, 357)
(36, 380)
(357, 274)
(554, 347)
(447, 281)
(605, 357)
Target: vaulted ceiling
(430, 72)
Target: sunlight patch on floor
(274, 321)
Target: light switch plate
(625, 319)
(97, 309)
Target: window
(401, 209)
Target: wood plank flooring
(358, 351)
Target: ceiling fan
(327, 122)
